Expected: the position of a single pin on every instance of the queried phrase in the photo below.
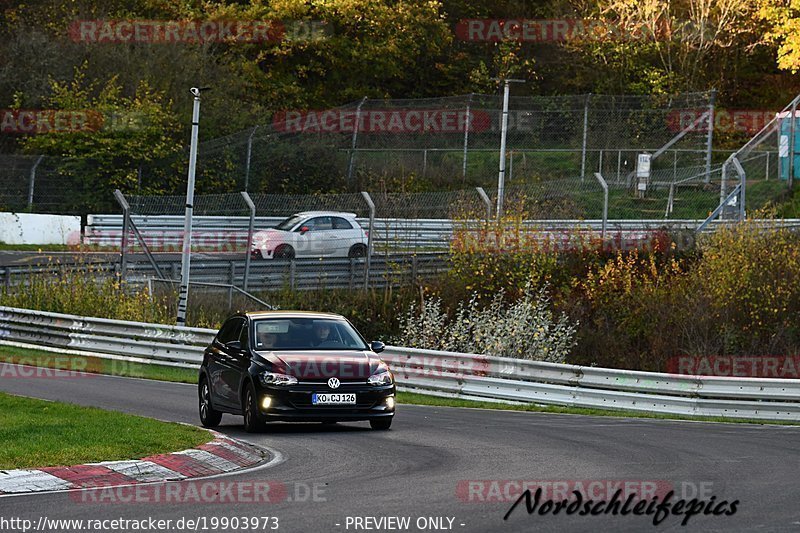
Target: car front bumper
(293, 403)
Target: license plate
(333, 399)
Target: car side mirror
(234, 345)
(303, 230)
(377, 346)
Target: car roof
(292, 314)
(325, 213)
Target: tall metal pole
(501, 175)
(249, 152)
(183, 296)
(710, 134)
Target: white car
(312, 234)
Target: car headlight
(381, 377)
(272, 378)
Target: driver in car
(321, 332)
(266, 340)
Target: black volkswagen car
(294, 366)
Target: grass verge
(39, 433)
(96, 365)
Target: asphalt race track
(422, 467)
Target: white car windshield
(289, 223)
(307, 334)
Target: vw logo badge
(333, 383)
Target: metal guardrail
(265, 275)
(297, 274)
(467, 376)
(391, 233)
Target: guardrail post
(292, 270)
(250, 229)
(126, 223)
(370, 232)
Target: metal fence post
(126, 223)
(792, 147)
(32, 181)
(250, 229)
(247, 163)
(604, 185)
(710, 134)
(501, 173)
(722, 182)
(350, 166)
(487, 201)
(670, 200)
(467, 121)
(585, 134)
(231, 280)
(370, 233)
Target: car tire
(381, 424)
(209, 417)
(252, 421)
(357, 250)
(284, 251)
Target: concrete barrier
(30, 228)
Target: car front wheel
(284, 252)
(250, 409)
(208, 416)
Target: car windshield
(289, 223)
(306, 334)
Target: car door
(346, 236)
(224, 363)
(317, 238)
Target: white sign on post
(643, 166)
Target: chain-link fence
(390, 145)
